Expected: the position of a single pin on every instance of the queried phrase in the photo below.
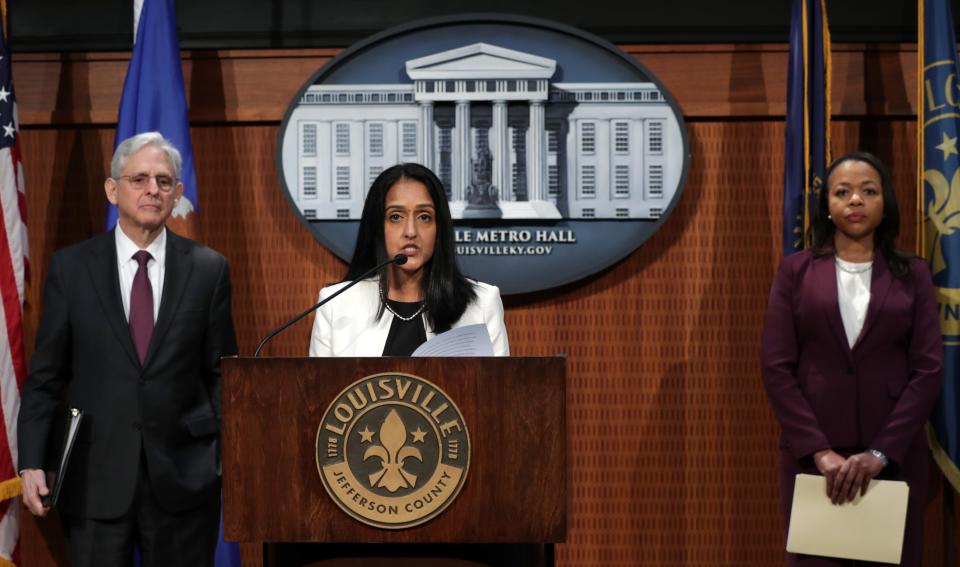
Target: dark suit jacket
(167, 410)
(877, 395)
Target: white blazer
(347, 326)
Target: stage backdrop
(672, 444)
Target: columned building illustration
(492, 76)
(506, 142)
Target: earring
(829, 216)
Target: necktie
(141, 306)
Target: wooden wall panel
(672, 443)
(669, 416)
(718, 81)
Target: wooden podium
(513, 496)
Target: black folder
(55, 477)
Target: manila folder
(868, 529)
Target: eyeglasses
(140, 181)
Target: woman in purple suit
(852, 353)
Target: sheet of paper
(471, 340)
(868, 529)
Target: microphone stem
(306, 312)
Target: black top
(405, 336)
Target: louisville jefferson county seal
(393, 450)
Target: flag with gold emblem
(939, 203)
(807, 148)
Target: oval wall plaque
(560, 154)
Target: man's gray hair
(134, 144)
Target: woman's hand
(829, 464)
(855, 475)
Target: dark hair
(822, 229)
(447, 291)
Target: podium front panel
(513, 409)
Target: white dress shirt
(853, 295)
(127, 267)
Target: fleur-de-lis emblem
(943, 214)
(816, 184)
(392, 454)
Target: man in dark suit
(134, 324)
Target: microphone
(399, 260)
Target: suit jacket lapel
(825, 279)
(374, 338)
(106, 281)
(176, 275)
(880, 281)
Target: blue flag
(153, 99)
(807, 149)
(939, 194)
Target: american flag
(14, 272)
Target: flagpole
(949, 524)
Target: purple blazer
(878, 394)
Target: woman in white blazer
(392, 313)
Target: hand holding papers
(470, 340)
(868, 529)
